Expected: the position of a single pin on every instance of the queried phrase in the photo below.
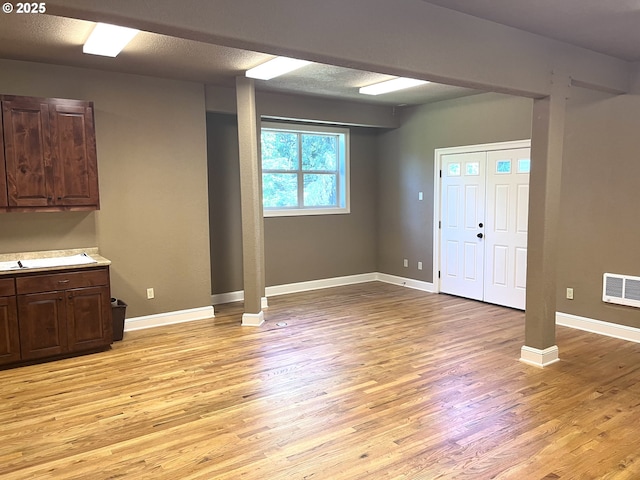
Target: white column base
(252, 319)
(264, 303)
(539, 358)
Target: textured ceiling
(605, 26)
(58, 40)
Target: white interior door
(506, 227)
(483, 236)
(463, 203)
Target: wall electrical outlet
(419, 195)
(406, 262)
(419, 265)
(150, 293)
(570, 293)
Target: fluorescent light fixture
(391, 86)
(108, 40)
(275, 67)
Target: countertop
(92, 252)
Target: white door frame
(437, 212)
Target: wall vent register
(621, 289)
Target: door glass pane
(280, 190)
(524, 165)
(503, 166)
(453, 170)
(319, 152)
(320, 190)
(279, 150)
(472, 168)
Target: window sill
(303, 212)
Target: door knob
(479, 235)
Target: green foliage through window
(304, 169)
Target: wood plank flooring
(370, 381)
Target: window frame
(342, 175)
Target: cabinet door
(4, 202)
(89, 318)
(9, 333)
(73, 153)
(43, 324)
(27, 147)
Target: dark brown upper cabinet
(49, 152)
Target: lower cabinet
(9, 331)
(43, 325)
(57, 314)
(89, 322)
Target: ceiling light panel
(275, 67)
(108, 40)
(391, 86)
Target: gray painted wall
(599, 229)
(405, 225)
(297, 249)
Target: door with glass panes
(483, 234)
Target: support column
(251, 203)
(547, 140)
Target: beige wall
(153, 223)
(405, 228)
(297, 249)
(599, 229)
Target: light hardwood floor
(371, 381)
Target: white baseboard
(169, 318)
(318, 284)
(229, 297)
(284, 289)
(252, 319)
(405, 282)
(598, 326)
(539, 358)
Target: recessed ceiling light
(391, 86)
(108, 40)
(275, 67)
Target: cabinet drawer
(7, 287)
(62, 281)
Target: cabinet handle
(59, 299)
(63, 281)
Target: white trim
(344, 179)
(539, 358)
(405, 282)
(437, 165)
(252, 319)
(614, 330)
(168, 318)
(287, 288)
(318, 284)
(264, 303)
(229, 297)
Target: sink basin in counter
(50, 260)
(80, 259)
(6, 266)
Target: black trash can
(118, 311)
